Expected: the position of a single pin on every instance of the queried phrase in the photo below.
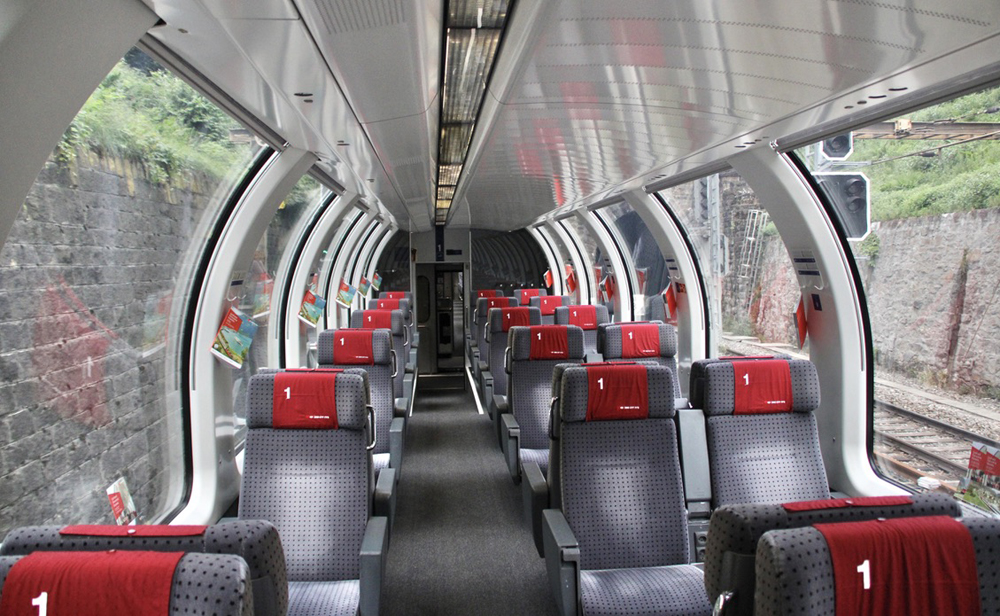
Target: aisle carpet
(460, 544)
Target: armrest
(562, 560)
(385, 494)
(510, 443)
(416, 338)
(396, 429)
(535, 492)
(486, 389)
(411, 366)
(374, 545)
(399, 405)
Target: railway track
(916, 446)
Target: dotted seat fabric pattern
(256, 541)
(620, 481)
(324, 598)
(765, 459)
(499, 341)
(664, 591)
(530, 391)
(379, 380)
(589, 335)
(203, 585)
(560, 300)
(795, 573)
(315, 486)
(538, 456)
(611, 347)
(399, 345)
(737, 528)
(482, 314)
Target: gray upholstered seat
(795, 571)
(255, 541)
(229, 594)
(587, 318)
(652, 341)
(736, 529)
(481, 353)
(760, 455)
(371, 350)
(618, 541)
(406, 307)
(393, 321)
(547, 304)
(414, 338)
(315, 484)
(524, 296)
(534, 353)
(494, 379)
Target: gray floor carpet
(460, 545)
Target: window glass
(591, 251)
(94, 286)
(253, 290)
(930, 269)
(639, 246)
(751, 286)
(564, 260)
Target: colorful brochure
(232, 341)
(311, 309)
(570, 278)
(345, 295)
(376, 281)
(548, 278)
(121, 503)
(262, 296)
(364, 286)
(981, 484)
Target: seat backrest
(229, 593)
(656, 309)
(307, 468)
(500, 320)
(933, 565)
(403, 304)
(547, 304)
(483, 306)
(474, 303)
(648, 340)
(534, 353)
(255, 541)
(587, 318)
(735, 530)
(620, 483)
(371, 350)
(524, 295)
(393, 321)
(763, 442)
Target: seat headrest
(391, 304)
(394, 295)
(613, 391)
(502, 319)
(546, 342)
(585, 317)
(548, 303)
(392, 320)
(758, 385)
(354, 347)
(638, 340)
(308, 399)
(488, 293)
(484, 304)
(524, 295)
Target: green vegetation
(143, 113)
(954, 179)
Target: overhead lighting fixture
(472, 37)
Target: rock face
(933, 294)
(86, 302)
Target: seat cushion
(324, 598)
(538, 456)
(676, 590)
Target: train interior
(347, 280)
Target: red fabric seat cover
(511, 317)
(762, 386)
(376, 319)
(584, 317)
(549, 342)
(640, 340)
(353, 346)
(840, 503)
(918, 566)
(304, 400)
(150, 530)
(113, 582)
(617, 391)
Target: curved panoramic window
(591, 250)
(640, 248)
(254, 291)
(752, 291)
(918, 199)
(96, 274)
